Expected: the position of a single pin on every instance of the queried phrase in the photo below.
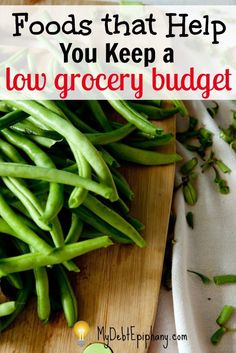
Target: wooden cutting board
(117, 287)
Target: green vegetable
(11, 118)
(67, 295)
(20, 301)
(181, 107)
(58, 255)
(40, 158)
(73, 135)
(224, 279)
(217, 166)
(204, 278)
(216, 337)
(134, 117)
(75, 229)
(99, 115)
(225, 315)
(55, 175)
(154, 112)
(213, 110)
(189, 166)
(61, 193)
(114, 219)
(189, 218)
(21, 230)
(152, 143)
(7, 308)
(135, 155)
(190, 193)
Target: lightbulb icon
(81, 329)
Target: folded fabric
(209, 248)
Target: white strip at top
(118, 52)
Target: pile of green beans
(62, 195)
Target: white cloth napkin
(210, 248)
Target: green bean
(224, 279)
(79, 194)
(57, 233)
(43, 141)
(225, 315)
(22, 231)
(58, 255)
(180, 105)
(114, 219)
(12, 118)
(38, 123)
(81, 125)
(58, 240)
(99, 115)
(134, 117)
(190, 193)
(139, 156)
(121, 206)
(21, 246)
(105, 138)
(154, 112)
(42, 288)
(11, 199)
(90, 234)
(152, 143)
(8, 194)
(23, 213)
(71, 168)
(7, 308)
(14, 278)
(189, 166)
(38, 187)
(108, 158)
(72, 135)
(122, 185)
(116, 125)
(28, 200)
(75, 229)
(10, 152)
(40, 158)
(203, 278)
(157, 103)
(90, 218)
(142, 135)
(25, 220)
(216, 337)
(51, 105)
(54, 175)
(55, 230)
(4, 107)
(68, 299)
(42, 292)
(121, 177)
(135, 222)
(5, 228)
(61, 161)
(21, 300)
(28, 128)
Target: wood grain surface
(117, 287)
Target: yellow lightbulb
(81, 329)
